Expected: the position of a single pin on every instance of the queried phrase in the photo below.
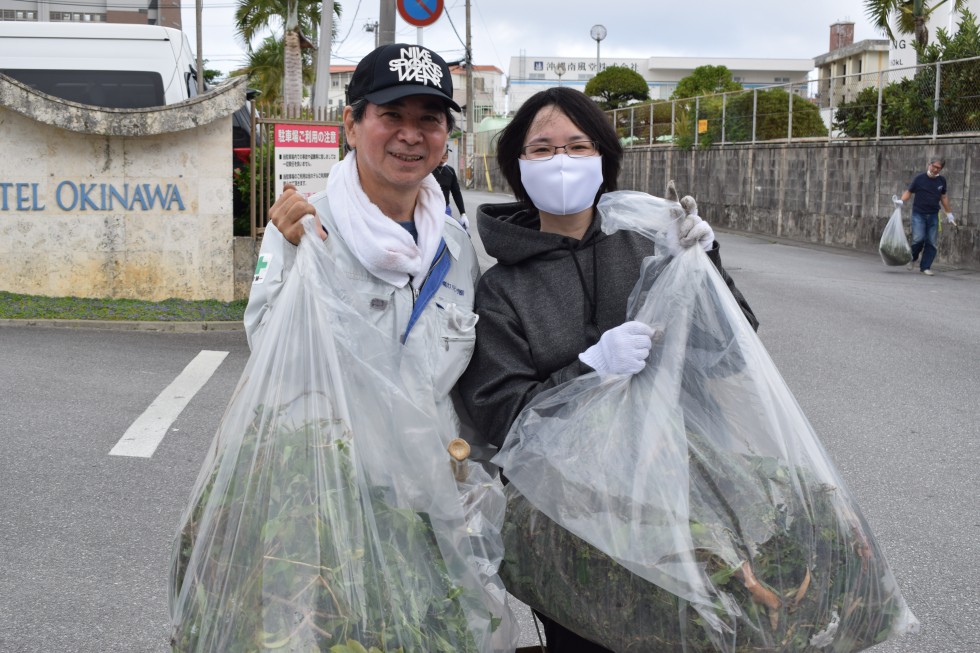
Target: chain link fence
(928, 101)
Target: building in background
(488, 90)
(530, 74)
(165, 13)
(849, 67)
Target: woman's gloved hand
(621, 350)
(692, 229)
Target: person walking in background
(930, 190)
(449, 183)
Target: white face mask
(562, 185)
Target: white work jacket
(452, 336)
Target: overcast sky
(501, 29)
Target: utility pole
(468, 134)
(198, 12)
(321, 87)
(387, 22)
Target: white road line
(145, 434)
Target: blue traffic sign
(420, 12)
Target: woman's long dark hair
(583, 112)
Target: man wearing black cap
(383, 215)
(382, 219)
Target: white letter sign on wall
(304, 156)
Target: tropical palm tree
(294, 18)
(264, 68)
(910, 16)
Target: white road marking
(145, 434)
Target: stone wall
(117, 203)
(832, 193)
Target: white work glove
(621, 350)
(950, 218)
(690, 229)
(897, 201)
(464, 221)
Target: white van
(107, 65)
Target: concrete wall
(836, 194)
(117, 203)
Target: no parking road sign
(420, 12)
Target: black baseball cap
(398, 70)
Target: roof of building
(867, 45)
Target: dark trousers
(562, 640)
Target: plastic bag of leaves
(327, 516)
(894, 246)
(690, 507)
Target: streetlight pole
(598, 33)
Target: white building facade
(530, 74)
(165, 13)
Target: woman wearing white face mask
(553, 306)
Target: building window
(781, 80)
(535, 76)
(16, 14)
(68, 17)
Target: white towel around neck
(384, 247)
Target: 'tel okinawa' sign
(30, 197)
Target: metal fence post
(935, 102)
(697, 117)
(673, 119)
(724, 105)
(651, 124)
(880, 85)
(755, 110)
(789, 118)
(632, 120)
(830, 107)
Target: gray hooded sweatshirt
(547, 299)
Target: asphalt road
(884, 362)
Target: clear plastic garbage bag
(894, 246)
(327, 516)
(690, 507)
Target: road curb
(129, 325)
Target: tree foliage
(910, 16)
(705, 80)
(772, 121)
(617, 86)
(287, 20)
(907, 106)
(264, 68)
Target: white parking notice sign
(304, 156)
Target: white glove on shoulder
(464, 221)
(950, 218)
(621, 350)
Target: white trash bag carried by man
(894, 246)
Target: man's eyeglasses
(936, 166)
(575, 149)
